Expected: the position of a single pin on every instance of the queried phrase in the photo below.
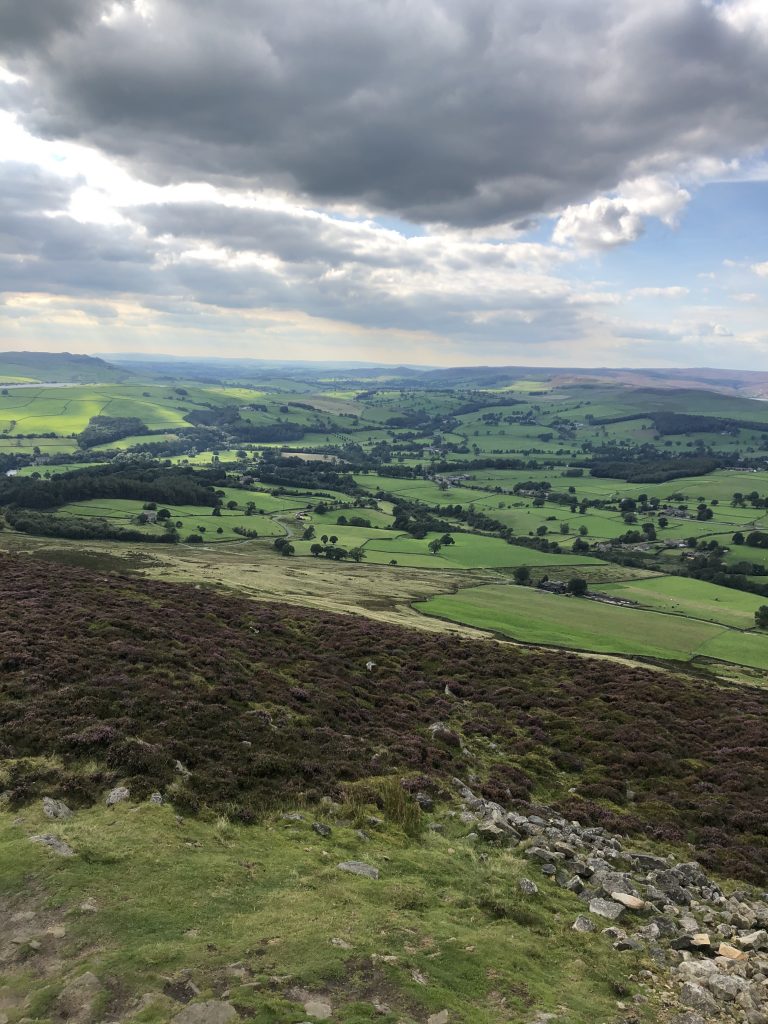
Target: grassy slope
(195, 896)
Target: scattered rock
(357, 867)
(320, 1009)
(55, 844)
(152, 1000)
(341, 943)
(730, 952)
(439, 1018)
(55, 808)
(440, 731)
(425, 801)
(528, 887)
(583, 924)
(629, 901)
(117, 796)
(725, 987)
(156, 798)
(78, 1001)
(321, 828)
(754, 940)
(606, 908)
(214, 1011)
(697, 997)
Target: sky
(445, 182)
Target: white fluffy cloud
(608, 221)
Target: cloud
(761, 269)
(30, 26)
(606, 222)
(671, 292)
(466, 112)
(43, 249)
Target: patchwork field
(507, 474)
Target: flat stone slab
(53, 843)
(357, 867)
(628, 900)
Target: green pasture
(64, 467)
(469, 551)
(534, 616)
(67, 410)
(123, 513)
(694, 599)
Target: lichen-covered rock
(55, 809)
(117, 796)
(606, 908)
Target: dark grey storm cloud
(470, 112)
(31, 24)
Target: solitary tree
(577, 586)
(434, 546)
(522, 574)
(761, 617)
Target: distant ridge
(58, 368)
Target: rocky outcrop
(710, 949)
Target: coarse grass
(444, 927)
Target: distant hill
(747, 383)
(58, 368)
